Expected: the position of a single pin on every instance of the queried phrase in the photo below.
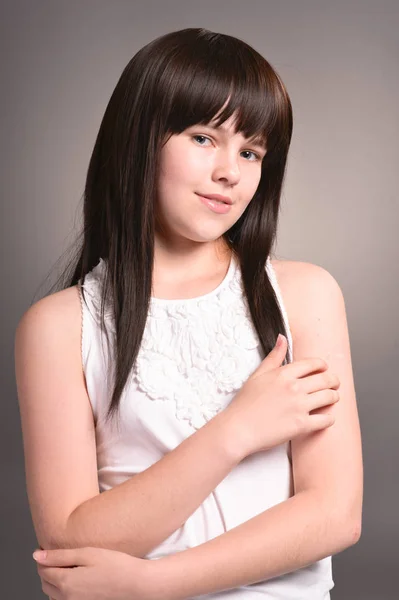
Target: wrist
(162, 578)
(231, 435)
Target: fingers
(321, 400)
(321, 381)
(321, 421)
(303, 368)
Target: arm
(284, 538)
(324, 515)
(137, 515)
(60, 450)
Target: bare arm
(60, 449)
(284, 538)
(137, 515)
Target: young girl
(175, 445)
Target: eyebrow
(259, 141)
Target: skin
(202, 159)
(189, 252)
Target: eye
(257, 157)
(204, 137)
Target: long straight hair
(178, 80)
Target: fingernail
(39, 555)
(279, 339)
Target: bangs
(218, 71)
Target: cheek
(169, 171)
(181, 167)
(251, 183)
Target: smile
(215, 205)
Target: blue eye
(201, 136)
(257, 157)
(204, 137)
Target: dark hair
(178, 80)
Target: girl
(175, 445)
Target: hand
(95, 574)
(278, 403)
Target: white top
(195, 355)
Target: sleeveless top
(194, 356)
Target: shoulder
(64, 306)
(55, 320)
(309, 291)
(293, 274)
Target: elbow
(343, 535)
(56, 538)
(345, 527)
(351, 531)
(49, 543)
(52, 546)
(354, 521)
(55, 543)
(356, 532)
(345, 523)
(48, 537)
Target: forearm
(284, 538)
(137, 515)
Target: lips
(219, 197)
(215, 206)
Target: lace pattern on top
(194, 352)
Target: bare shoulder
(293, 273)
(305, 286)
(67, 299)
(58, 314)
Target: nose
(226, 168)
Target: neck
(200, 260)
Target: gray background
(60, 62)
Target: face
(204, 160)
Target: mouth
(217, 198)
(217, 206)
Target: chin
(206, 237)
